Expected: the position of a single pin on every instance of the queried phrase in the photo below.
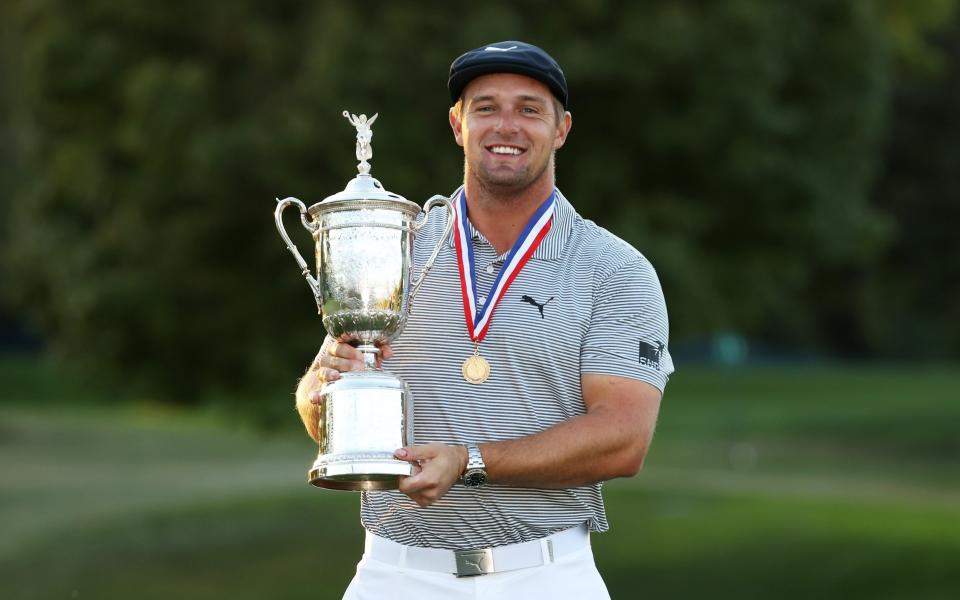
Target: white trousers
(573, 576)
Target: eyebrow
(523, 97)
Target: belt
(478, 561)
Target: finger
(415, 484)
(434, 480)
(383, 355)
(423, 500)
(331, 375)
(341, 364)
(414, 471)
(386, 351)
(324, 376)
(343, 349)
(422, 493)
(416, 453)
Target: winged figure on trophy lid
(364, 137)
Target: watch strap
(475, 474)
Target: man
(536, 355)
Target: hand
(341, 357)
(436, 467)
(336, 357)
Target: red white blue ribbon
(478, 318)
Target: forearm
(581, 451)
(309, 412)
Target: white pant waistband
(480, 561)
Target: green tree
(734, 143)
(140, 242)
(738, 142)
(908, 302)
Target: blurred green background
(791, 169)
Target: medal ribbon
(533, 233)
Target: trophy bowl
(363, 238)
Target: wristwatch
(476, 472)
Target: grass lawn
(788, 483)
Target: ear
(563, 129)
(456, 125)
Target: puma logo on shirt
(539, 306)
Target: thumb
(414, 453)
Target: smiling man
(525, 353)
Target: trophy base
(364, 418)
(359, 475)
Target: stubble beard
(509, 186)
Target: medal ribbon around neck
(478, 322)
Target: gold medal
(476, 369)
(478, 315)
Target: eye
(484, 109)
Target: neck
(501, 216)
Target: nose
(507, 121)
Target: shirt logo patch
(650, 354)
(533, 302)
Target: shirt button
(490, 269)
(483, 300)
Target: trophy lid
(364, 188)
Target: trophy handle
(429, 204)
(309, 226)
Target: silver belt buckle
(471, 563)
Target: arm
(610, 440)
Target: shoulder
(606, 253)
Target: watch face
(474, 478)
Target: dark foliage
(734, 143)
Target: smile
(506, 150)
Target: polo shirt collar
(552, 245)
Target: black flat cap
(507, 57)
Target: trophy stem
(370, 353)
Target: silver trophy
(364, 243)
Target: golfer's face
(509, 130)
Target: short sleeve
(629, 329)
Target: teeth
(505, 150)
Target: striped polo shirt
(585, 302)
